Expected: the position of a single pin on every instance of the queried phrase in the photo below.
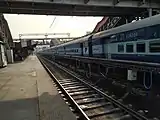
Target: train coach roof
(150, 21)
(81, 39)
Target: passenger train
(136, 41)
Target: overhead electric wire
(52, 22)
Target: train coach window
(129, 48)
(154, 46)
(141, 47)
(120, 48)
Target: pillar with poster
(3, 60)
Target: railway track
(86, 101)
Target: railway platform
(27, 93)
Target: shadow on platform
(50, 107)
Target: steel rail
(82, 116)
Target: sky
(77, 26)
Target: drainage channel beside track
(86, 101)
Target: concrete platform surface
(27, 93)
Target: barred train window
(141, 47)
(129, 48)
(121, 48)
(154, 46)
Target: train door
(64, 50)
(107, 53)
(81, 46)
(90, 46)
(102, 42)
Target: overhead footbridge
(78, 7)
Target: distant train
(137, 41)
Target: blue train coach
(137, 41)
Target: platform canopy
(78, 7)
